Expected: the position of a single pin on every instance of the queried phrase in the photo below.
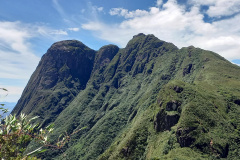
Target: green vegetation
(3, 110)
(16, 134)
(149, 100)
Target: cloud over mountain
(184, 25)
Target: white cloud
(58, 32)
(59, 9)
(159, 3)
(64, 15)
(12, 95)
(118, 11)
(127, 14)
(218, 8)
(94, 9)
(173, 23)
(48, 33)
(100, 9)
(17, 60)
(73, 29)
(83, 10)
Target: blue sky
(29, 27)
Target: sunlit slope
(151, 100)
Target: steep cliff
(62, 72)
(149, 100)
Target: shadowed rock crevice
(178, 89)
(163, 121)
(187, 69)
(184, 138)
(173, 105)
(237, 102)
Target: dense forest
(149, 100)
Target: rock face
(237, 102)
(178, 89)
(187, 69)
(137, 102)
(62, 72)
(104, 56)
(183, 137)
(164, 121)
(172, 105)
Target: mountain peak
(67, 46)
(139, 34)
(149, 41)
(67, 42)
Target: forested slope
(149, 100)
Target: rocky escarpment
(62, 72)
(149, 100)
(164, 121)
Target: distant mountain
(149, 100)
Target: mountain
(62, 72)
(149, 100)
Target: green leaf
(4, 89)
(41, 151)
(49, 127)
(34, 118)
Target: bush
(16, 134)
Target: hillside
(149, 100)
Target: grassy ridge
(204, 118)
(152, 100)
(128, 110)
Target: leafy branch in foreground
(2, 109)
(16, 134)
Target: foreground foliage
(3, 110)
(16, 134)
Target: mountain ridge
(149, 100)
